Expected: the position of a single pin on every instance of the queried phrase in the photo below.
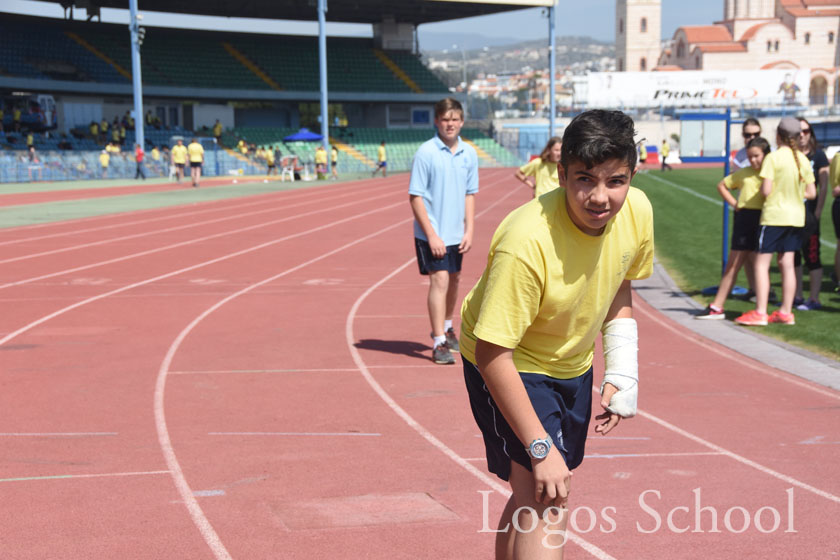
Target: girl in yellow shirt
(745, 227)
(543, 169)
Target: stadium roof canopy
(343, 11)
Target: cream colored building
(765, 34)
(638, 25)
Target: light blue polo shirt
(444, 179)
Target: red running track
(250, 379)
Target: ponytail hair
(791, 140)
(547, 150)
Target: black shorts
(745, 228)
(810, 251)
(179, 165)
(451, 261)
(194, 164)
(835, 216)
(562, 405)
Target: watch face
(539, 449)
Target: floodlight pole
(552, 63)
(322, 66)
(137, 83)
(725, 250)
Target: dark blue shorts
(562, 405)
(745, 228)
(779, 239)
(451, 261)
(382, 164)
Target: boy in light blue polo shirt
(444, 181)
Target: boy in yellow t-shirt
(558, 273)
(745, 227)
(196, 152)
(543, 169)
(104, 161)
(381, 160)
(179, 159)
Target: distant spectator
(16, 119)
(381, 160)
(2, 116)
(179, 159)
(139, 154)
(33, 157)
(243, 148)
(196, 152)
(150, 119)
(217, 132)
(269, 160)
(749, 130)
(115, 133)
(334, 163)
(103, 130)
(321, 162)
(104, 161)
(94, 130)
(666, 150)
(30, 140)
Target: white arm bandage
(621, 365)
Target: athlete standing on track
(179, 159)
(558, 272)
(196, 152)
(442, 189)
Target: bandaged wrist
(621, 365)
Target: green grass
(688, 229)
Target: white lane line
(296, 434)
(645, 455)
(68, 476)
(170, 229)
(57, 434)
(103, 295)
(715, 201)
(198, 240)
(750, 463)
(396, 368)
(196, 513)
(419, 428)
(728, 354)
(260, 200)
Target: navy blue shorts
(562, 405)
(779, 239)
(745, 228)
(451, 261)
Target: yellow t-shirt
(642, 152)
(666, 149)
(217, 129)
(548, 286)
(104, 159)
(196, 152)
(155, 154)
(112, 149)
(749, 182)
(544, 173)
(334, 156)
(269, 156)
(834, 171)
(321, 157)
(380, 153)
(103, 126)
(785, 206)
(179, 154)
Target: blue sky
(595, 18)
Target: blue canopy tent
(303, 135)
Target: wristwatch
(539, 447)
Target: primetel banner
(698, 88)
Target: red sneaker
(752, 318)
(782, 318)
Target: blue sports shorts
(779, 239)
(451, 261)
(562, 405)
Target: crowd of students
(782, 194)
